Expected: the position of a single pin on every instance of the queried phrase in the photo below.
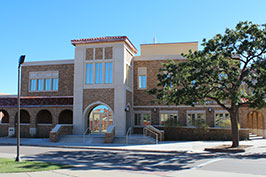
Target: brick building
(105, 84)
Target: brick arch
(24, 116)
(255, 122)
(44, 117)
(4, 116)
(66, 117)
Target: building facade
(106, 84)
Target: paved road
(143, 163)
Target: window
(146, 119)
(33, 85)
(138, 119)
(142, 119)
(169, 118)
(142, 82)
(47, 84)
(89, 73)
(43, 81)
(195, 118)
(222, 119)
(108, 73)
(99, 73)
(40, 84)
(55, 84)
(142, 73)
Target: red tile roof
(105, 39)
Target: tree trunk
(234, 126)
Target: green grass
(10, 166)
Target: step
(99, 139)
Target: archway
(255, 123)
(24, 117)
(44, 117)
(99, 116)
(66, 117)
(4, 117)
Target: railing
(129, 132)
(145, 133)
(156, 130)
(84, 134)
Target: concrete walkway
(164, 146)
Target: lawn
(10, 166)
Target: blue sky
(42, 30)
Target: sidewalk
(257, 145)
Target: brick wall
(65, 83)
(105, 95)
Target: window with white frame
(222, 119)
(89, 73)
(142, 77)
(142, 119)
(195, 118)
(108, 73)
(98, 72)
(168, 118)
(43, 81)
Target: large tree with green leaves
(227, 63)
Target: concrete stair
(99, 139)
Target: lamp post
(21, 61)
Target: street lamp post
(21, 61)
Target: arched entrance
(4, 117)
(66, 117)
(44, 117)
(99, 117)
(255, 122)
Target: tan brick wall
(105, 95)
(65, 83)
(153, 66)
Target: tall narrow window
(33, 85)
(108, 73)
(137, 119)
(40, 84)
(146, 119)
(142, 77)
(48, 84)
(89, 73)
(99, 73)
(142, 81)
(55, 84)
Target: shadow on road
(137, 161)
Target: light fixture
(154, 109)
(127, 108)
(209, 109)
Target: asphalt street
(149, 163)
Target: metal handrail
(145, 129)
(129, 132)
(84, 134)
(156, 131)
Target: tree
(219, 72)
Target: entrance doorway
(99, 119)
